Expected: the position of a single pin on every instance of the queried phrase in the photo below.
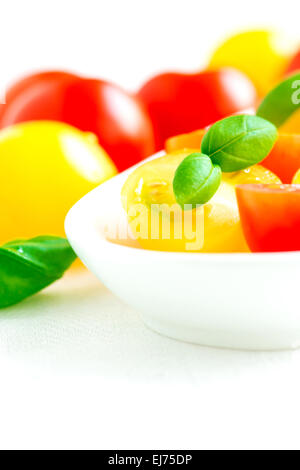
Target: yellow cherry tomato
(45, 167)
(148, 198)
(262, 55)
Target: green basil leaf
(28, 266)
(282, 101)
(196, 180)
(237, 142)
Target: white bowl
(240, 300)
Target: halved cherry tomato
(119, 120)
(270, 216)
(294, 64)
(180, 103)
(284, 159)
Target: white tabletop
(80, 370)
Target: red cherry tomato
(181, 103)
(23, 84)
(120, 121)
(270, 216)
(294, 65)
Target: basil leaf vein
(238, 142)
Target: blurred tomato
(23, 84)
(270, 216)
(261, 55)
(45, 167)
(294, 65)
(119, 120)
(181, 103)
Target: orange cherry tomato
(270, 216)
(118, 119)
(284, 159)
(192, 140)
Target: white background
(78, 369)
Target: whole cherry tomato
(45, 167)
(181, 103)
(24, 83)
(294, 65)
(193, 140)
(270, 216)
(119, 120)
(284, 159)
(261, 54)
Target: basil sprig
(282, 101)
(28, 266)
(232, 144)
(237, 142)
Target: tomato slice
(270, 216)
(284, 159)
